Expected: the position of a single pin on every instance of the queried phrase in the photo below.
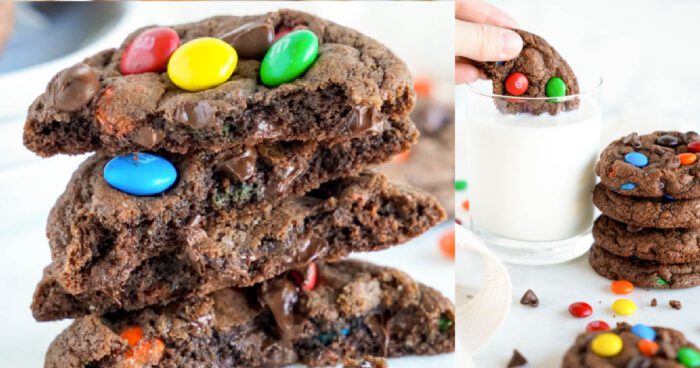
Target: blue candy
(345, 331)
(140, 174)
(644, 331)
(636, 159)
(668, 199)
(628, 186)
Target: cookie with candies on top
(538, 71)
(661, 164)
(632, 346)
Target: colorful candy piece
(517, 84)
(661, 282)
(647, 347)
(644, 331)
(667, 141)
(401, 157)
(132, 335)
(447, 244)
(628, 186)
(667, 198)
(689, 357)
(146, 352)
(687, 158)
(607, 345)
(466, 205)
(444, 324)
(694, 146)
(140, 174)
(622, 287)
(289, 57)
(460, 184)
(597, 326)
(345, 331)
(580, 309)
(202, 63)
(423, 86)
(624, 307)
(307, 281)
(555, 87)
(637, 159)
(149, 51)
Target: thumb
(483, 42)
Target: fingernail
(511, 44)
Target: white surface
(645, 54)
(29, 186)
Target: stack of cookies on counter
(649, 194)
(228, 181)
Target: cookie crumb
(654, 303)
(529, 298)
(675, 304)
(517, 360)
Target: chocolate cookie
(670, 343)
(644, 273)
(354, 84)
(546, 74)
(430, 163)
(354, 309)
(660, 245)
(659, 213)
(653, 165)
(101, 269)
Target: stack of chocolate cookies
(649, 194)
(228, 182)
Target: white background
(646, 52)
(419, 33)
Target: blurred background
(48, 37)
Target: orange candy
(401, 157)
(147, 351)
(465, 205)
(132, 335)
(622, 287)
(447, 244)
(687, 158)
(423, 86)
(647, 347)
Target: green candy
(555, 87)
(289, 57)
(444, 324)
(661, 282)
(689, 357)
(460, 184)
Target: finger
(466, 73)
(479, 11)
(486, 43)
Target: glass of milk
(531, 176)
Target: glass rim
(588, 92)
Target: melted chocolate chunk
(529, 298)
(73, 88)
(633, 140)
(242, 166)
(517, 360)
(363, 118)
(310, 250)
(667, 141)
(197, 116)
(251, 40)
(280, 296)
(148, 137)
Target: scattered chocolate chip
(148, 137)
(675, 304)
(73, 88)
(639, 361)
(251, 40)
(633, 140)
(654, 303)
(667, 140)
(529, 298)
(362, 118)
(242, 166)
(517, 360)
(199, 115)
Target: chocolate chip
(633, 229)
(362, 118)
(517, 360)
(199, 115)
(691, 136)
(667, 350)
(639, 361)
(280, 295)
(310, 250)
(73, 88)
(529, 298)
(675, 304)
(633, 140)
(251, 40)
(667, 140)
(654, 303)
(148, 137)
(242, 166)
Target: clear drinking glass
(531, 176)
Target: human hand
(481, 35)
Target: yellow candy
(607, 345)
(624, 307)
(202, 63)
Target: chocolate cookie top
(354, 309)
(643, 273)
(354, 83)
(653, 165)
(660, 245)
(673, 348)
(539, 71)
(661, 213)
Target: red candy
(694, 146)
(580, 310)
(597, 326)
(516, 84)
(149, 51)
(285, 31)
(308, 280)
